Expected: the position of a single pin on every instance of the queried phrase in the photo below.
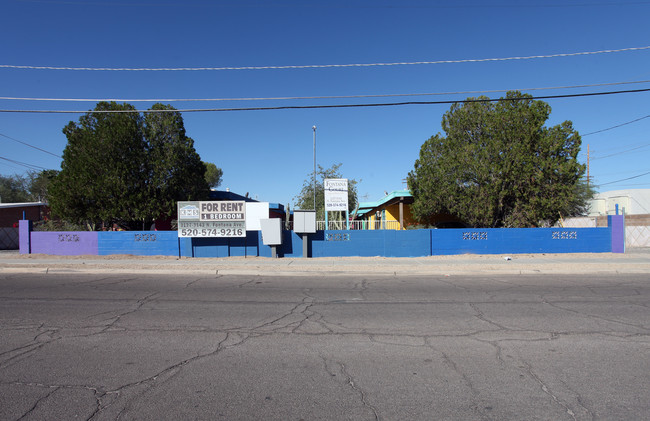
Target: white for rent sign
(212, 219)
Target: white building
(633, 203)
(628, 202)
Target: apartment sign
(336, 194)
(212, 219)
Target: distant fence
(637, 236)
(358, 225)
(388, 243)
(637, 227)
(9, 239)
(578, 222)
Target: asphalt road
(107, 346)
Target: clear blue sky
(269, 153)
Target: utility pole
(314, 129)
(588, 178)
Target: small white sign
(336, 194)
(254, 212)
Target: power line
(307, 107)
(612, 149)
(10, 166)
(636, 184)
(617, 126)
(317, 66)
(621, 152)
(24, 164)
(31, 146)
(490, 91)
(343, 5)
(624, 179)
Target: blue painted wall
(388, 243)
(347, 243)
(223, 247)
(140, 243)
(520, 240)
(410, 243)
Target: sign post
(336, 198)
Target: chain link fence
(635, 235)
(9, 239)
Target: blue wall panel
(264, 251)
(253, 243)
(347, 243)
(210, 247)
(140, 243)
(245, 246)
(362, 243)
(387, 243)
(411, 243)
(291, 244)
(520, 240)
(186, 246)
(224, 247)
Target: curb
(634, 262)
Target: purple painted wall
(64, 243)
(617, 224)
(24, 231)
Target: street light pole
(314, 129)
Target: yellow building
(393, 212)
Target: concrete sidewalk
(633, 261)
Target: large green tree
(102, 176)
(175, 169)
(497, 165)
(305, 200)
(119, 166)
(213, 174)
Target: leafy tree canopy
(13, 189)
(39, 183)
(305, 200)
(175, 170)
(126, 168)
(30, 187)
(213, 175)
(497, 165)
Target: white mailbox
(304, 221)
(271, 231)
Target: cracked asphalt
(177, 344)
